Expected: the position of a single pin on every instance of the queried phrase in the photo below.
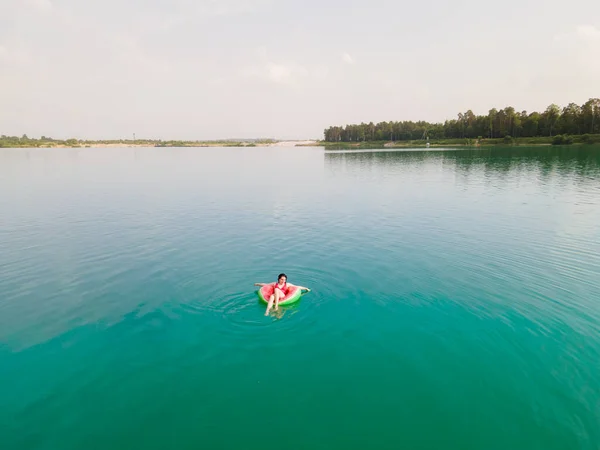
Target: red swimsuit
(283, 289)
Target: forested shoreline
(507, 123)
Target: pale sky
(209, 69)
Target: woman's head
(282, 278)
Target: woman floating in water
(280, 289)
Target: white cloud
(280, 73)
(588, 33)
(347, 58)
(288, 73)
(581, 33)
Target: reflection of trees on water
(582, 163)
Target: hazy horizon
(226, 69)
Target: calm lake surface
(455, 299)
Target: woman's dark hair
(282, 275)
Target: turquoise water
(454, 304)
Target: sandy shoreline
(292, 144)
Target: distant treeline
(570, 120)
(27, 142)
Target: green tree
(590, 112)
(570, 121)
(550, 117)
(491, 120)
(509, 115)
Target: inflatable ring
(293, 294)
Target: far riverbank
(25, 142)
(44, 142)
(530, 141)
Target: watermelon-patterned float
(293, 294)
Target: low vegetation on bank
(466, 142)
(46, 142)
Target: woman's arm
(261, 284)
(300, 287)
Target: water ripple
(456, 289)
